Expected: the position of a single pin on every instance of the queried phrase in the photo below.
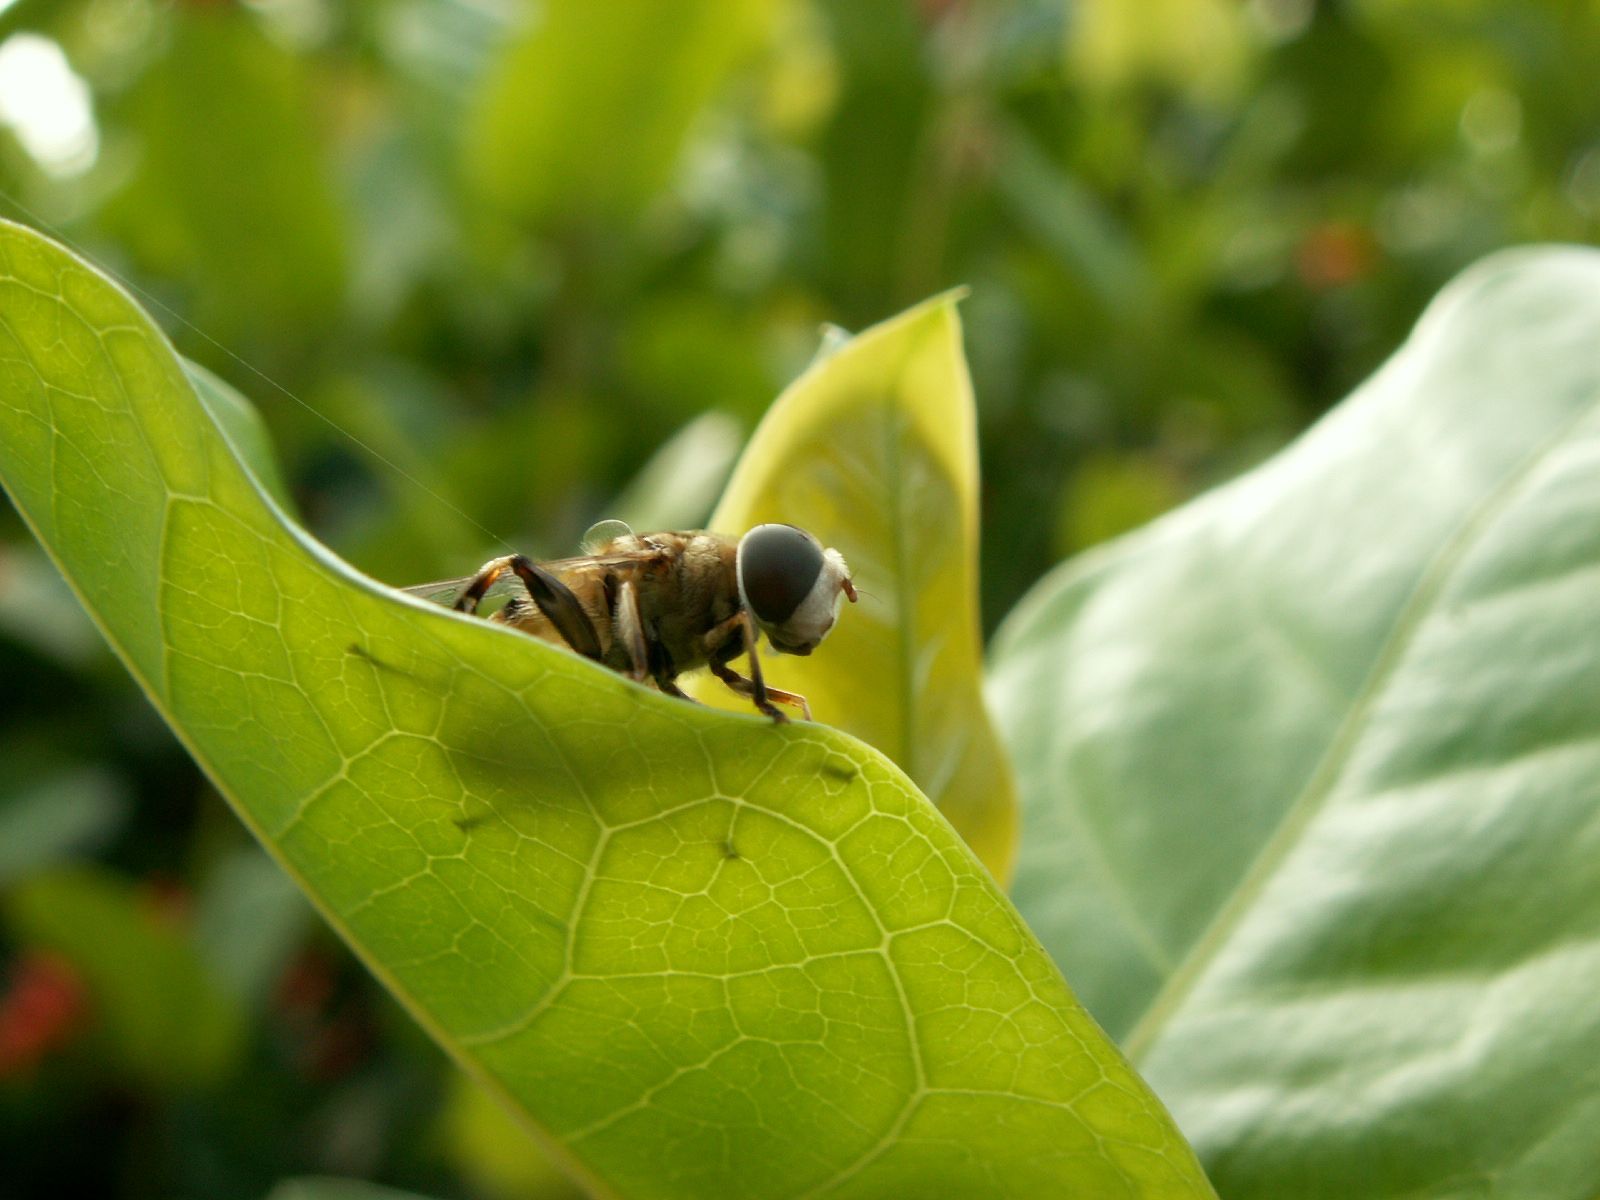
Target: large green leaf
(1311, 774)
(698, 954)
(874, 449)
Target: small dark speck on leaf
(729, 851)
(844, 774)
(366, 655)
(468, 824)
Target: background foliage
(514, 255)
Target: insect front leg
(755, 687)
(669, 686)
(747, 688)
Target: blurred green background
(478, 260)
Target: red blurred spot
(934, 11)
(336, 1049)
(330, 1036)
(305, 987)
(42, 1010)
(168, 900)
(1333, 254)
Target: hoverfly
(654, 605)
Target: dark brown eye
(778, 567)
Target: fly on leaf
(655, 605)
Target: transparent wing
(508, 585)
(448, 591)
(646, 553)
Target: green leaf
(493, 1152)
(38, 611)
(586, 111)
(242, 200)
(1311, 773)
(246, 432)
(1076, 226)
(677, 487)
(697, 954)
(881, 208)
(49, 819)
(1204, 47)
(329, 1187)
(249, 919)
(164, 1017)
(874, 449)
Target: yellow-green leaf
(874, 449)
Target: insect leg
(755, 687)
(467, 602)
(758, 686)
(627, 628)
(717, 642)
(794, 698)
(666, 684)
(747, 687)
(559, 605)
(717, 638)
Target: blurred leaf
(1311, 773)
(165, 1018)
(874, 449)
(247, 434)
(703, 954)
(1200, 46)
(440, 47)
(249, 917)
(494, 1152)
(327, 1187)
(680, 483)
(404, 230)
(389, 511)
(49, 819)
(873, 156)
(1078, 230)
(1111, 494)
(585, 113)
(800, 82)
(39, 611)
(686, 353)
(239, 202)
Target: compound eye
(778, 567)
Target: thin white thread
(151, 300)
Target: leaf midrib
(1330, 768)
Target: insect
(655, 605)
